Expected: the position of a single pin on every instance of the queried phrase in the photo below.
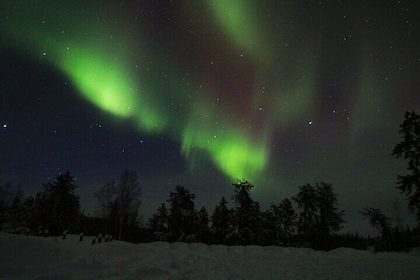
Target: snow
(31, 257)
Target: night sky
(199, 93)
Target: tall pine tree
(319, 216)
(202, 225)
(159, 223)
(409, 149)
(306, 200)
(330, 219)
(246, 217)
(182, 215)
(287, 217)
(60, 205)
(106, 200)
(128, 199)
(221, 221)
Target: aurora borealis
(279, 92)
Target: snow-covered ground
(30, 257)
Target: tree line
(56, 208)
(245, 223)
(314, 221)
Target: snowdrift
(30, 257)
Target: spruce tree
(330, 219)
(182, 215)
(281, 221)
(271, 231)
(246, 217)
(106, 199)
(306, 200)
(221, 221)
(60, 205)
(159, 223)
(287, 219)
(11, 210)
(381, 222)
(202, 225)
(127, 200)
(409, 149)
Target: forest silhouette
(311, 218)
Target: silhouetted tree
(11, 213)
(320, 215)
(59, 204)
(40, 213)
(246, 217)
(182, 215)
(379, 221)
(329, 218)
(16, 212)
(29, 211)
(202, 225)
(306, 200)
(409, 149)
(159, 223)
(244, 202)
(106, 199)
(128, 199)
(271, 232)
(221, 221)
(396, 213)
(6, 196)
(284, 218)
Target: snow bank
(28, 257)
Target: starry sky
(199, 93)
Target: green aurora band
(237, 19)
(94, 47)
(96, 64)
